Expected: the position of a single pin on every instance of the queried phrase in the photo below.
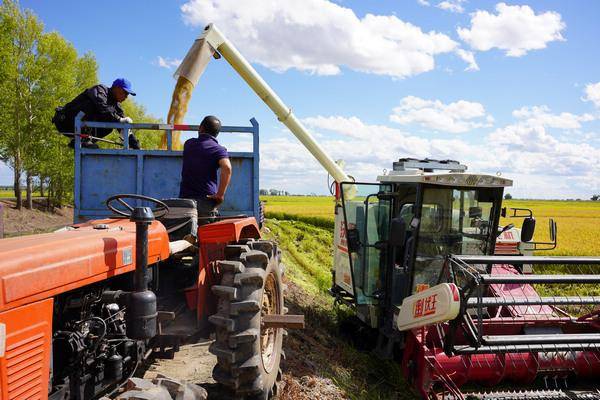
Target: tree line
(273, 192)
(40, 71)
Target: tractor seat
(181, 220)
(179, 246)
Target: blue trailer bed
(101, 173)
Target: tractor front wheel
(248, 355)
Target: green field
(308, 259)
(9, 194)
(578, 221)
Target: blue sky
(508, 87)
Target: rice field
(9, 194)
(578, 221)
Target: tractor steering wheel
(159, 211)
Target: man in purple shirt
(202, 158)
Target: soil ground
(38, 220)
(308, 352)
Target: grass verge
(319, 349)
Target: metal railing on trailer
(101, 173)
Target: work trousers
(207, 211)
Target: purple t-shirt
(200, 164)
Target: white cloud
(541, 116)
(380, 145)
(167, 63)
(423, 2)
(458, 117)
(319, 36)
(452, 6)
(469, 58)
(592, 93)
(534, 150)
(514, 29)
(541, 165)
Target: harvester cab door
(451, 220)
(364, 233)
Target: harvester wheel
(248, 355)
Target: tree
(67, 75)
(596, 197)
(38, 72)
(20, 32)
(508, 196)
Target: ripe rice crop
(578, 221)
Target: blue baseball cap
(124, 84)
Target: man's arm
(225, 166)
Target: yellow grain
(179, 105)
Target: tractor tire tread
(239, 363)
(254, 276)
(227, 292)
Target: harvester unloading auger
(421, 258)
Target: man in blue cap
(99, 103)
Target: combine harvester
(421, 258)
(459, 300)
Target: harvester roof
(439, 172)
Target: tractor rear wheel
(248, 355)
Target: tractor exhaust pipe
(141, 315)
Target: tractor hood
(40, 266)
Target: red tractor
(83, 307)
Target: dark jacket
(97, 103)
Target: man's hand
(217, 198)
(126, 120)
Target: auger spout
(213, 43)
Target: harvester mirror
(397, 232)
(528, 229)
(353, 240)
(503, 212)
(552, 231)
(475, 212)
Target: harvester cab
(421, 258)
(428, 209)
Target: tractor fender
(229, 230)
